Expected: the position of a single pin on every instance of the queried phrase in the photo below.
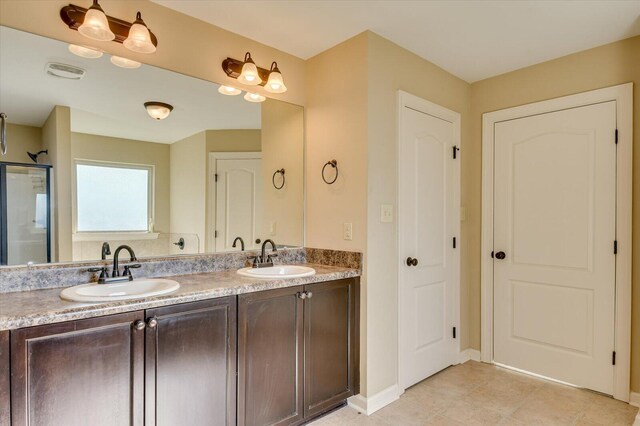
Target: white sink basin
(135, 289)
(278, 272)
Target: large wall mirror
(87, 164)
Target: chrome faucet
(241, 243)
(265, 260)
(115, 274)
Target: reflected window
(113, 197)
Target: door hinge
(215, 234)
(615, 247)
(454, 242)
(616, 136)
(454, 332)
(216, 177)
(455, 152)
(613, 358)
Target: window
(113, 197)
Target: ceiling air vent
(64, 71)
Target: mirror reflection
(100, 155)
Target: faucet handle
(127, 272)
(104, 273)
(255, 260)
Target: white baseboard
(637, 422)
(375, 402)
(469, 355)
(634, 399)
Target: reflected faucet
(106, 250)
(241, 243)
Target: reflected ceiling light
(95, 25)
(85, 51)
(249, 74)
(139, 38)
(275, 83)
(121, 62)
(158, 110)
(229, 91)
(254, 97)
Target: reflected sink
(135, 289)
(278, 272)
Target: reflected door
(24, 214)
(554, 232)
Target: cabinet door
(5, 406)
(190, 376)
(84, 372)
(270, 346)
(330, 344)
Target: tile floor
(481, 394)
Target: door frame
(623, 95)
(210, 241)
(424, 106)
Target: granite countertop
(36, 307)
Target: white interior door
(428, 223)
(238, 202)
(555, 222)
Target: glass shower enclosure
(25, 213)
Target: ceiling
(473, 40)
(109, 100)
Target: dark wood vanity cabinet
(5, 400)
(297, 352)
(190, 376)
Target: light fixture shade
(139, 38)
(229, 91)
(254, 97)
(121, 62)
(95, 25)
(275, 83)
(85, 51)
(158, 110)
(249, 74)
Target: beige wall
(283, 147)
(104, 148)
(234, 140)
(188, 192)
(20, 140)
(604, 66)
(56, 137)
(185, 44)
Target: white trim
(408, 100)
(209, 239)
(637, 422)
(468, 355)
(623, 95)
(376, 402)
(634, 399)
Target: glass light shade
(85, 51)
(229, 91)
(254, 97)
(95, 25)
(249, 74)
(158, 110)
(121, 62)
(275, 84)
(139, 38)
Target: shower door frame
(4, 243)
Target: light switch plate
(347, 231)
(386, 213)
(272, 228)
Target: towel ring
(334, 164)
(273, 179)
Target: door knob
(152, 322)
(139, 325)
(411, 261)
(500, 255)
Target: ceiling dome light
(249, 74)
(121, 62)
(158, 110)
(139, 38)
(275, 83)
(229, 91)
(254, 97)
(85, 51)
(95, 25)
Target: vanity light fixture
(158, 110)
(229, 91)
(139, 38)
(85, 51)
(275, 83)
(249, 74)
(121, 62)
(254, 97)
(95, 25)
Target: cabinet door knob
(309, 294)
(152, 322)
(302, 295)
(139, 325)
